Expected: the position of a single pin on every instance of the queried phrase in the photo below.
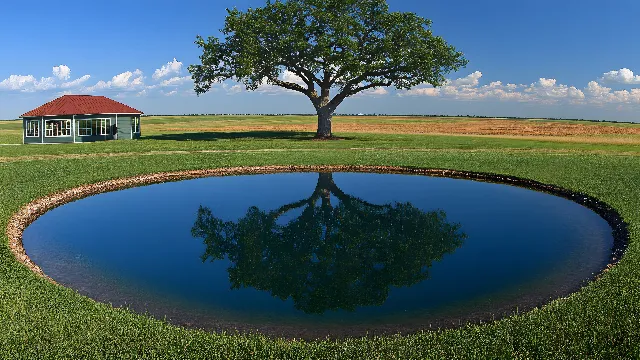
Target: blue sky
(561, 58)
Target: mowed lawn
(42, 320)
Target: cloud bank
(169, 79)
(544, 91)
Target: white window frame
(36, 128)
(135, 125)
(85, 127)
(63, 131)
(103, 128)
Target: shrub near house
(80, 118)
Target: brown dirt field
(468, 127)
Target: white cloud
(126, 81)
(461, 88)
(74, 83)
(596, 90)
(547, 90)
(546, 83)
(137, 82)
(174, 81)
(468, 88)
(232, 90)
(574, 93)
(271, 89)
(599, 94)
(288, 76)
(29, 83)
(122, 80)
(17, 82)
(62, 72)
(423, 91)
(44, 84)
(172, 67)
(377, 91)
(171, 93)
(622, 76)
(65, 92)
(469, 80)
(100, 85)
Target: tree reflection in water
(333, 256)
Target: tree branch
(348, 91)
(310, 75)
(291, 86)
(369, 86)
(286, 208)
(305, 74)
(370, 74)
(349, 199)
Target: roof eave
(107, 113)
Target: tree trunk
(325, 182)
(325, 114)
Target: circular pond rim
(31, 211)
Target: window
(55, 128)
(135, 125)
(33, 128)
(84, 127)
(105, 127)
(89, 127)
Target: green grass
(194, 142)
(41, 320)
(10, 132)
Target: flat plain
(602, 320)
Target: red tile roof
(82, 104)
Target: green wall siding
(32, 140)
(123, 129)
(58, 139)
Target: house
(80, 118)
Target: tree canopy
(344, 46)
(331, 256)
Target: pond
(322, 254)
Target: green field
(42, 320)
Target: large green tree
(340, 46)
(329, 256)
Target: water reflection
(332, 256)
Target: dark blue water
(307, 254)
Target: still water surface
(310, 255)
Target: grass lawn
(42, 320)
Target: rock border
(31, 211)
